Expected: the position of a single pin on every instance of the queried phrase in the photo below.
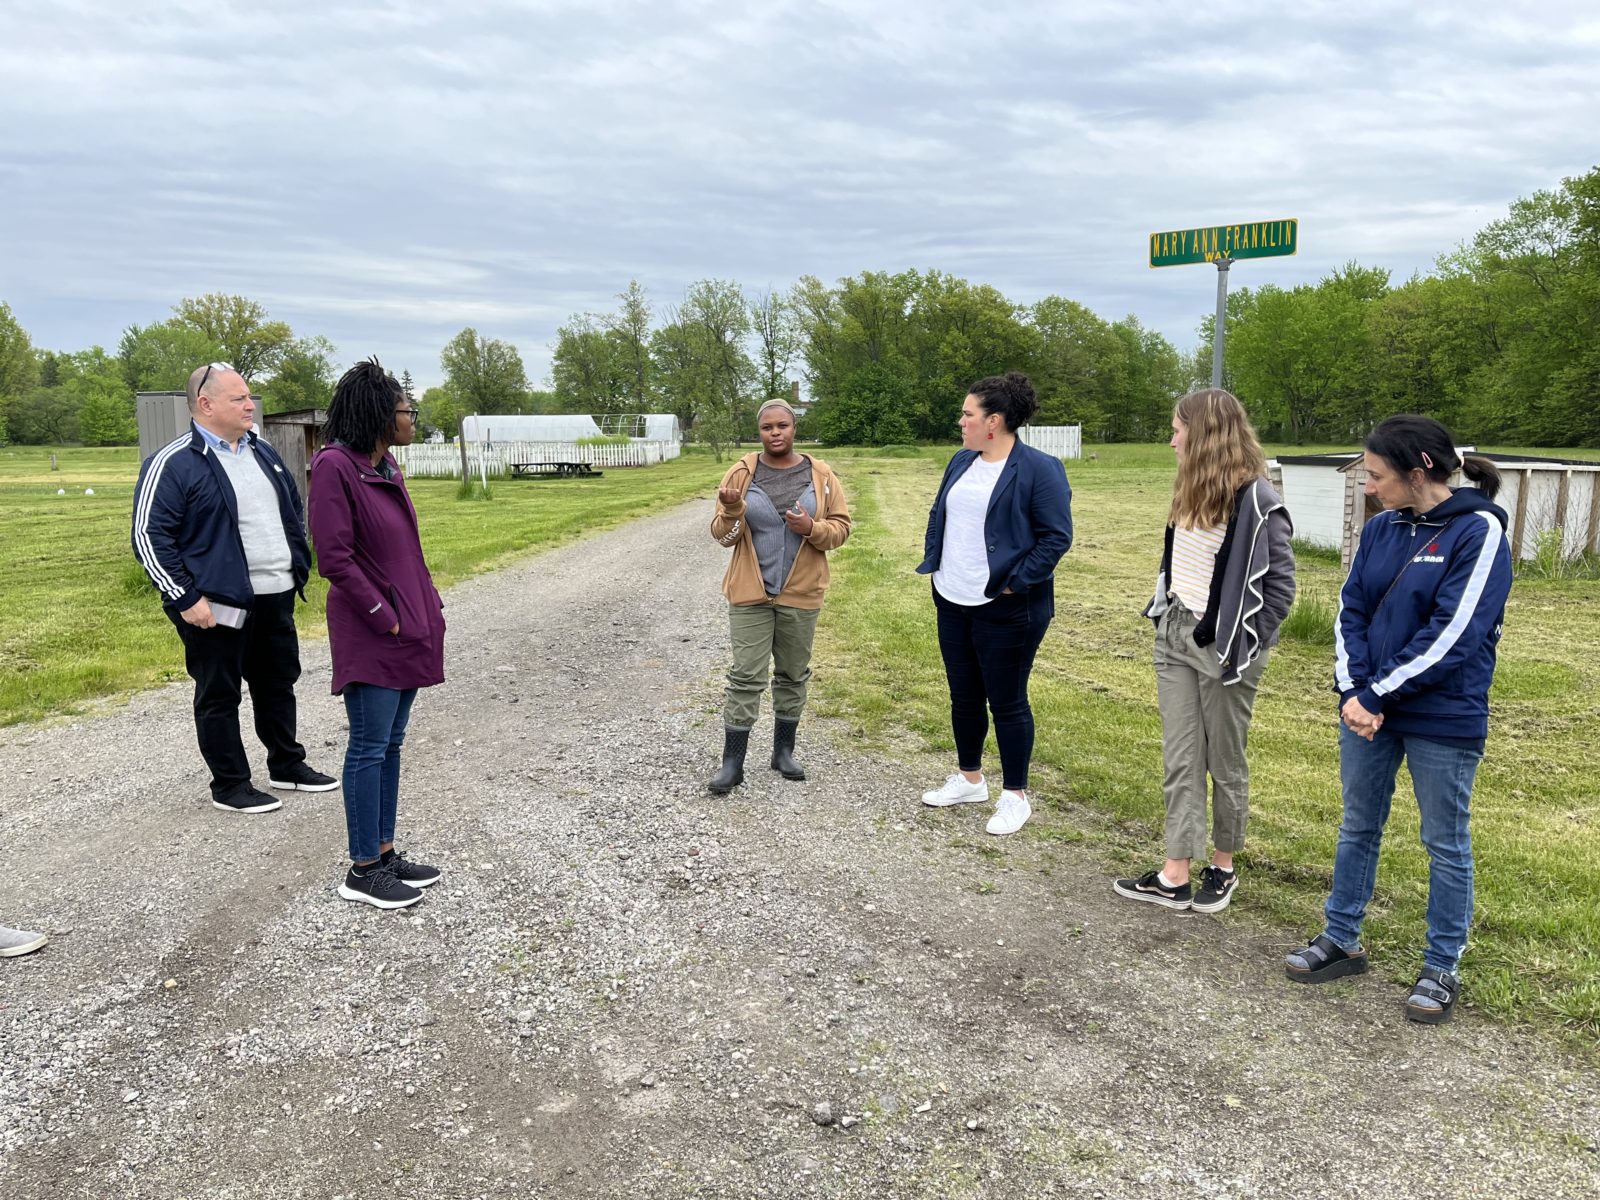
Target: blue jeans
(1441, 777)
(988, 652)
(378, 717)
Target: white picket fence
(1058, 441)
(443, 460)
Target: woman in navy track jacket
(1419, 620)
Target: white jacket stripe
(1341, 656)
(1465, 607)
(142, 503)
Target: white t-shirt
(964, 561)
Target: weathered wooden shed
(1538, 494)
(296, 436)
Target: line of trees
(1502, 342)
(88, 395)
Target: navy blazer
(1029, 524)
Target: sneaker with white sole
(1153, 889)
(957, 790)
(301, 778)
(247, 798)
(377, 885)
(20, 941)
(1010, 814)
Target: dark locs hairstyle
(361, 413)
(1411, 443)
(1010, 395)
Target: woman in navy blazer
(1000, 523)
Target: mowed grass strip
(80, 620)
(1535, 949)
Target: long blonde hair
(1221, 453)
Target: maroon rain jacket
(364, 532)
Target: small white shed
(1314, 490)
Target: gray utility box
(162, 417)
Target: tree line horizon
(1501, 342)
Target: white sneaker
(957, 790)
(19, 941)
(1011, 814)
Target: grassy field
(79, 619)
(1535, 950)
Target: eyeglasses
(413, 413)
(210, 367)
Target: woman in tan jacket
(781, 512)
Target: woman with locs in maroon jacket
(385, 618)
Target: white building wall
(1315, 499)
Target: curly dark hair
(361, 413)
(1010, 395)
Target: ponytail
(1483, 473)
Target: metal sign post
(1222, 321)
(1223, 245)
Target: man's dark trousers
(266, 655)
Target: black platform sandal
(1323, 960)
(1433, 997)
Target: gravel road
(627, 987)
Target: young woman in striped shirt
(1225, 585)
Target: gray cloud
(387, 173)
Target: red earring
(991, 436)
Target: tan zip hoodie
(808, 580)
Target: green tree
(962, 332)
(1148, 378)
(777, 341)
(587, 371)
(440, 411)
(304, 377)
(483, 375)
(1077, 369)
(628, 330)
(103, 399)
(701, 365)
(239, 328)
(19, 367)
(863, 321)
(160, 357)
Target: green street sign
(1257, 239)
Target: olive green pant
(765, 634)
(1205, 729)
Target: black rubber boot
(783, 729)
(734, 744)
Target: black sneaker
(376, 885)
(418, 875)
(246, 799)
(301, 778)
(1216, 889)
(1150, 889)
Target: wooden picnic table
(561, 470)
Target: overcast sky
(388, 173)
